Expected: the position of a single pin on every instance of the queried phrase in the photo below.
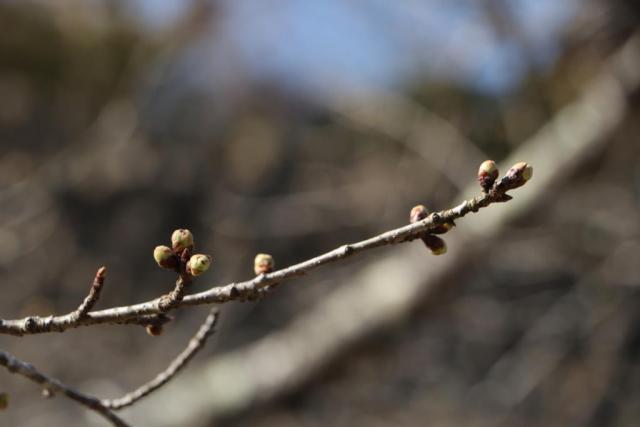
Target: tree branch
(196, 343)
(105, 407)
(250, 288)
(29, 371)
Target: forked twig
(105, 407)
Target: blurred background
(292, 127)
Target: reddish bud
(418, 213)
(487, 174)
(517, 176)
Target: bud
(181, 239)
(4, 401)
(418, 213)
(487, 174)
(517, 175)
(165, 258)
(263, 264)
(443, 228)
(154, 330)
(198, 264)
(436, 245)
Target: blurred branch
(513, 371)
(53, 385)
(259, 285)
(419, 129)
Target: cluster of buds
(435, 244)
(488, 173)
(515, 177)
(178, 257)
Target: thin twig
(250, 288)
(94, 294)
(195, 345)
(29, 371)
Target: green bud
(263, 264)
(165, 257)
(198, 264)
(487, 174)
(181, 239)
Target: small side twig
(35, 324)
(193, 347)
(94, 294)
(27, 370)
